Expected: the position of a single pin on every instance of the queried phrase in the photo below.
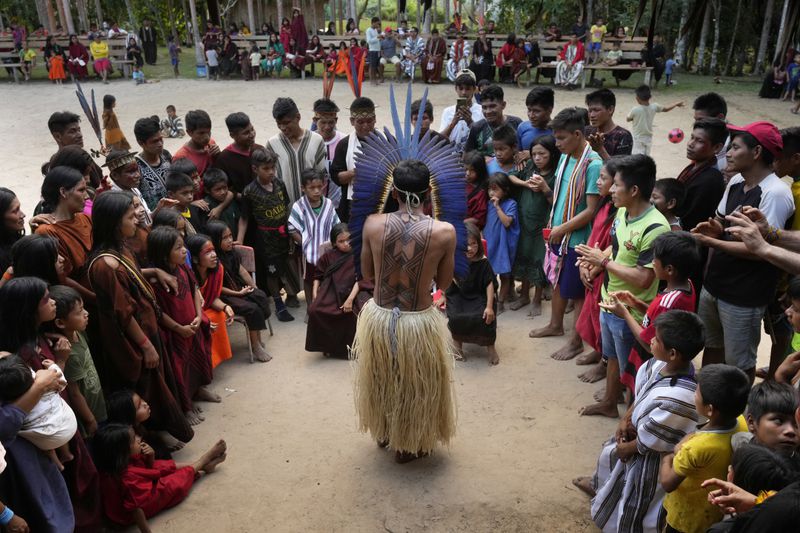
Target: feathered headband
(374, 167)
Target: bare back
(404, 254)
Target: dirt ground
(296, 461)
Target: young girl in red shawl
(137, 486)
(210, 273)
(477, 195)
(184, 329)
(587, 327)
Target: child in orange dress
(57, 74)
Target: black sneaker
(284, 316)
(292, 301)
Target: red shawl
(212, 288)
(588, 323)
(299, 32)
(579, 53)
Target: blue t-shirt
(592, 173)
(669, 66)
(527, 133)
(493, 167)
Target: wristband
(6, 516)
(604, 262)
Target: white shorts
(394, 60)
(642, 145)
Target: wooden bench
(11, 61)
(117, 51)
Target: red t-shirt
(477, 204)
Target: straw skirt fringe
(404, 398)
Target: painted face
(313, 190)
(127, 177)
(472, 248)
(541, 157)
(699, 147)
(208, 256)
(177, 255)
(47, 309)
(14, 218)
(343, 242)
(181, 226)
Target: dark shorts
(308, 277)
(374, 59)
(569, 281)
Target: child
(472, 302)
(174, 54)
(239, 290)
(721, 396)
(504, 146)
(115, 139)
(182, 322)
(483, 84)
(598, 32)
(629, 496)
(613, 56)
(265, 212)
(770, 417)
(57, 73)
(212, 58)
(642, 116)
(181, 189)
(540, 102)
(255, 62)
(234, 160)
(668, 196)
(477, 188)
(171, 126)
(310, 221)
(137, 486)
(28, 56)
(137, 75)
(675, 256)
(201, 147)
(185, 166)
(533, 193)
(209, 275)
(338, 298)
(83, 383)
(51, 424)
(669, 67)
(793, 75)
(126, 407)
(629, 267)
(501, 233)
(215, 185)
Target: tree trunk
(51, 16)
(199, 53)
(41, 12)
(448, 16)
(98, 10)
(131, 15)
(251, 16)
(717, 5)
(701, 47)
(70, 26)
(155, 9)
(279, 6)
(740, 60)
(419, 13)
(729, 58)
(62, 18)
(171, 20)
(781, 32)
(189, 24)
(342, 17)
(765, 29)
(517, 23)
(680, 52)
(589, 13)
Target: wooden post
(61, 17)
(419, 13)
(251, 16)
(280, 13)
(83, 14)
(98, 9)
(199, 53)
(51, 16)
(68, 17)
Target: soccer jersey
(632, 246)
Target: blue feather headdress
(374, 167)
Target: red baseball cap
(766, 133)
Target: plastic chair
(247, 257)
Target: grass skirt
(404, 396)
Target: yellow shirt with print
(705, 455)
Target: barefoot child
(501, 232)
(115, 139)
(83, 383)
(172, 126)
(721, 396)
(533, 188)
(209, 274)
(668, 196)
(477, 188)
(51, 424)
(183, 325)
(310, 223)
(642, 116)
(629, 496)
(239, 290)
(137, 486)
(128, 408)
(472, 302)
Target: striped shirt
(292, 162)
(313, 225)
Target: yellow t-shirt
(29, 55)
(796, 196)
(707, 454)
(99, 50)
(598, 32)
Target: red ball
(675, 136)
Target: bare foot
(570, 307)
(193, 418)
(213, 463)
(459, 355)
(547, 331)
(589, 358)
(600, 409)
(600, 396)
(585, 484)
(519, 304)
(536, 310)
(567, 352)
(501, 307)
(171, 443)
(494, 358)
(215, 455)
(407, 457)
(547, 293)
(594, 374)
(205, 395)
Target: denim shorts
(617, 339)
(735, 329)
(595, 47)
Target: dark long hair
(120, 408)
(611, 168)
(7, 236)
(19, 307)
(57, 178)
(72, 156)
(36, 255)
(478, 164)
(107, 213)
(215, 229)
(548, 142)
(195, 243)
(112, 448)
(159, 245)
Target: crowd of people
(114, 310)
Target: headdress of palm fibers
(375, 164)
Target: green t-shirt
(631, 246)
(643, 116)
(80, 369)
(592, 174)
